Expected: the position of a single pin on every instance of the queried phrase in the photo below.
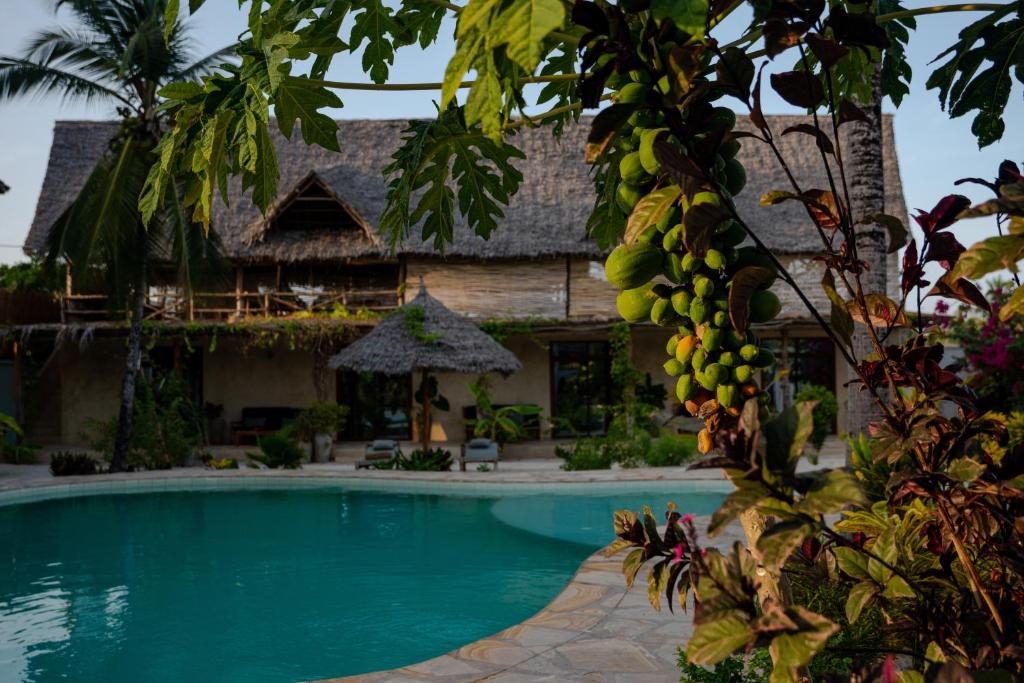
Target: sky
(934, 151)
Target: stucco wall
(278, 377)
(90, 384)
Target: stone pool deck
(596, 629)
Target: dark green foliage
(586, 454)
(321, 417)
(168, 425)
(32, 276)
(671, 450)
(824, 413)
(66, 463)
(433, 460)
(279, 451)
(753, 668)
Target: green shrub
(671, 450)
(754, 668)
(278, 451)
(433, 460)
(585, 454)
(167, 426)
(64, 464)
(824, 413)
(219, 463)
(321, 417)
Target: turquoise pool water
(282, 585)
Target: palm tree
(119, 53)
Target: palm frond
(205, 65)
(22, 77)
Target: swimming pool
(287, 583)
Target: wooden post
(425, 428)
(19, 403)
(238, 292)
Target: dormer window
(314, 206)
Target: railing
(171, 305)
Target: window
(315, 208)
(380, 406)
(580, 385)
(810, 360)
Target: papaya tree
(939, 551)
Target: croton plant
(938, 546)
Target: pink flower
(703, 552)
(889, 670)
(687, 518)
(941, 307)
(678, 553)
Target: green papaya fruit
(735, 177)
(686, 330)
(685, 349)
(714, 259)
(720, 319)
(645, 118)
(734, 340)
(681, 299)
(732, 235)
(668, 219)
(717, 373)
(720, 303)
(648, 236)
(646, 151)
(764, 359)
(684, 388)
(639, 76)
(691, 263)
(672, 267)
(671, 344)
(626, 196)
(634, 305)
(711, 340)
(673, 239)
(703, 286)
(674, 368)
(662, 313)
(722, 118)
(633, 93)
(764, 306)
(706, 198)
(632, 265)
(744, 373)
(699, 311)
(748, 352)
(662, 290)
(730, 148)
(729, 359)
(727, 395)
(705, 381)
(631, 170)
(698, 359)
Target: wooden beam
(238, 291)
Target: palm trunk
(863, 152)
(122, 442)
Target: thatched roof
(455, 344)
(546, 218)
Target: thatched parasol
(424, 335)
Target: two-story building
(295, 278)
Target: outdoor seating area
(261, 421)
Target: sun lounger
(479, 451)
(377, 451)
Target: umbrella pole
(425, 436)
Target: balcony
(171, 305)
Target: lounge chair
(377, 451)
(479, 451)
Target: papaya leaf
(298, 98)
(650, 209)
(860, 596)
(690, 16)
(745, 283)
(466, 53)
(524, 25)
(717, 637)
(375, 24)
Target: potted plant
(318, 424)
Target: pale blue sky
(934, 151)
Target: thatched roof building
(546, 218)
(437, 339)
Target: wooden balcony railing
(170, 305)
